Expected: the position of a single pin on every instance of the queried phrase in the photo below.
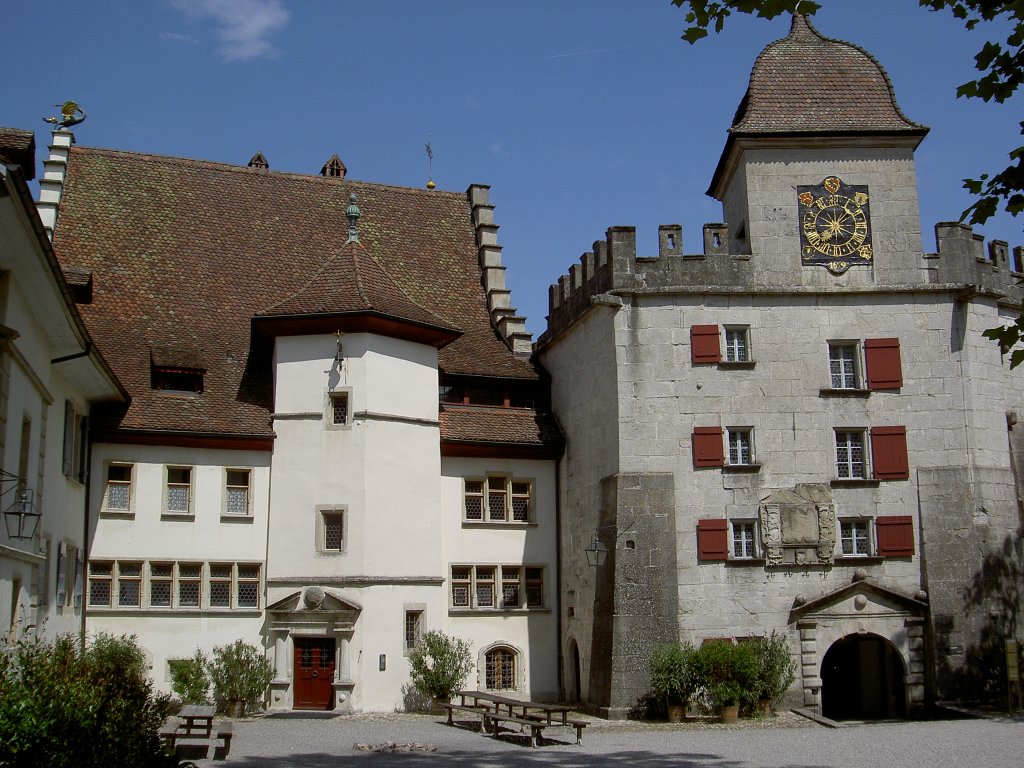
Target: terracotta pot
(729, 713)
(676, 713)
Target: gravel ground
(786, 740)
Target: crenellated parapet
(613, 265)
(964, 257)
(509, 325)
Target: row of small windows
(179, 491)
(884, 536)
(497, 499)
(887, 459)
(871, 364)
(141, 584)
(492, 587)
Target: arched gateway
(862, 678)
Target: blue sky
(580, 114)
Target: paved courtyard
(788, 740)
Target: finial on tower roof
(353, 214)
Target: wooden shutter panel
(895, 535)
(889, 453)
(707, 447)
(69, 436)
(704, 344)
(712, 540)
(882, 359)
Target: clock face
(835, 225)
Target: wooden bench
(537, 723)
(474, 709)
(169, 731)
(172, 731)
(224, 731)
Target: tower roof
(807, 85)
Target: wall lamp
(597, 552)
(21, 518)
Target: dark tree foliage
(1000, 67)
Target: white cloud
(243, 26)
(176, 37)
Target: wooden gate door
(314, 673)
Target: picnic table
(196, 721)
(494, 710)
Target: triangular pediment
(305, 600)
(863, 598)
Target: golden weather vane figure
(70, 114)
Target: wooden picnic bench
(495, 710)
(198, 724)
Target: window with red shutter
(895, 535)
(707, 447)
(889, 453)
(882, 359)
(704, 344)
(712, 540)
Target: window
(744, 542)
(220, 585)
(101, 577)
(118, 494)
(236, 494)
(248, 594)
(497, 500)
(179, 491)
(737, 344)
(339, 408)
(741, 450)
(75, 439)
(190, 584)
(177, 381)
(850, 464)
(854, 538)
(413, 628)
(500, 669)
(331, 533)
(842, 364)
(477, 587)
(129, 584)
(161, 578)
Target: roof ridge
(356, 247)
(215, 165)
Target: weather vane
(430, 162)
(70, 114)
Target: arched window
(500, 669)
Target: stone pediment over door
(313, 609)
(863, 600)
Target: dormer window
(178, 381)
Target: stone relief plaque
(798, 525)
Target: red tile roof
(498, 425)
(19, 147)
(184, 254)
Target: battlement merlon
(613, 265)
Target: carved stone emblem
(313, 597)
(798, 525)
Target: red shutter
(707, 447)
(882, 357)
(889, 453)
(712, 540)
(704, 346)
(895, 535)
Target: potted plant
(240, 674)
(730, 675)
(674, 677)
(439, 665)
(776, 671)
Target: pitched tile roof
(809, 83)
(19, 147)
(499, 425)
(185, 253)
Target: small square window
(179, 490)
(744, 541)
(332, 530)
(118, 494)
(855, 538)
(737, 344)
(741, 446)
(338, 413)
(842, 365)
(851, 460)
(236, 495)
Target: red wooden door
(314, 673)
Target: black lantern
(21, 518)
(596, 552)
